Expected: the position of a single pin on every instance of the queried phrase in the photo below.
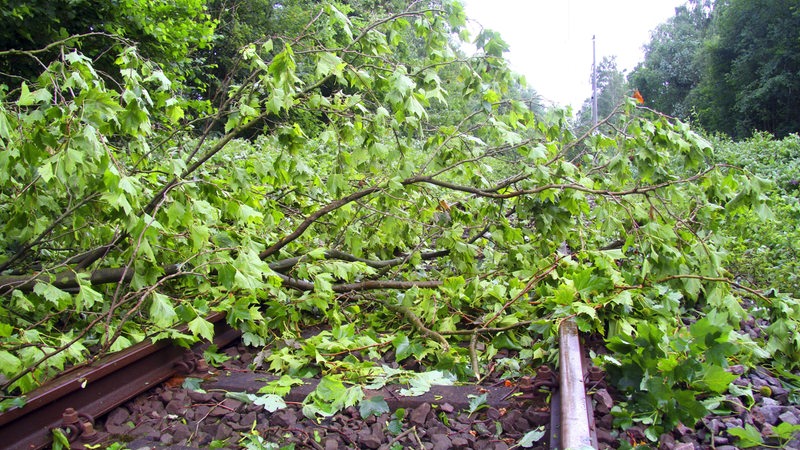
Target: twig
(401, 436)
(62, 41)
(357, 349)
(534, 279)
(473, 356)
(416, 322)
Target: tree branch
(313, 218)
(68, 279)
(14, 52)
(492, 193)
(369, 285)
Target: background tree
(167, 32)
(751, 79)
(730, 64)
(672, 61)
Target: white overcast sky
(551, 40)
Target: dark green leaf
(373, 406)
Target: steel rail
(100, 387)
(575, 432)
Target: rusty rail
(76, 398)
(72, 401)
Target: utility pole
(594, 84)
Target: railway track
(73, 401)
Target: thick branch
(286, 264)
(492, 193)
(416, 322)
(69, 280)
(369, 285)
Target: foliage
(270, 402)
(373, 406)
(530, 437)
(765, 252)
(362, 178)
(240, 23)
(749, 436)
(330, 397)
(165, 32)
(666, 375)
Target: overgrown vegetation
(361, 174)
(765, 253)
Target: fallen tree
(361, 173)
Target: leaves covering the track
(367, 179)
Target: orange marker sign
(638, 96)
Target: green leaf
(243, 397)
(395, 427)
(748, 436)
(323, 283)
(531, 437)
(87, 297)
(718, 379)
(505, 340)
(281, 386)
(25, 97)
(164, 83)
(16, 402)
(5, 128)
(51, 293)
(330, 389)
(9, 364)
(6, 330)
(740, 391)
(583, 308)
(415, 107)
(565, 294)
(402, 83)
(161, 310)
(341, 19)
(401, 347)
(373, 406)
(421, 383)
(477, 402)
(121, 343)
(45, 170)
(270, 402)
(353, 396)
(690, 407)
(193, 384)
(213, 356)
(589, 284)
(328, 63)
(203, 328)
(60, 440)
(786, 430)
(175, 113)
